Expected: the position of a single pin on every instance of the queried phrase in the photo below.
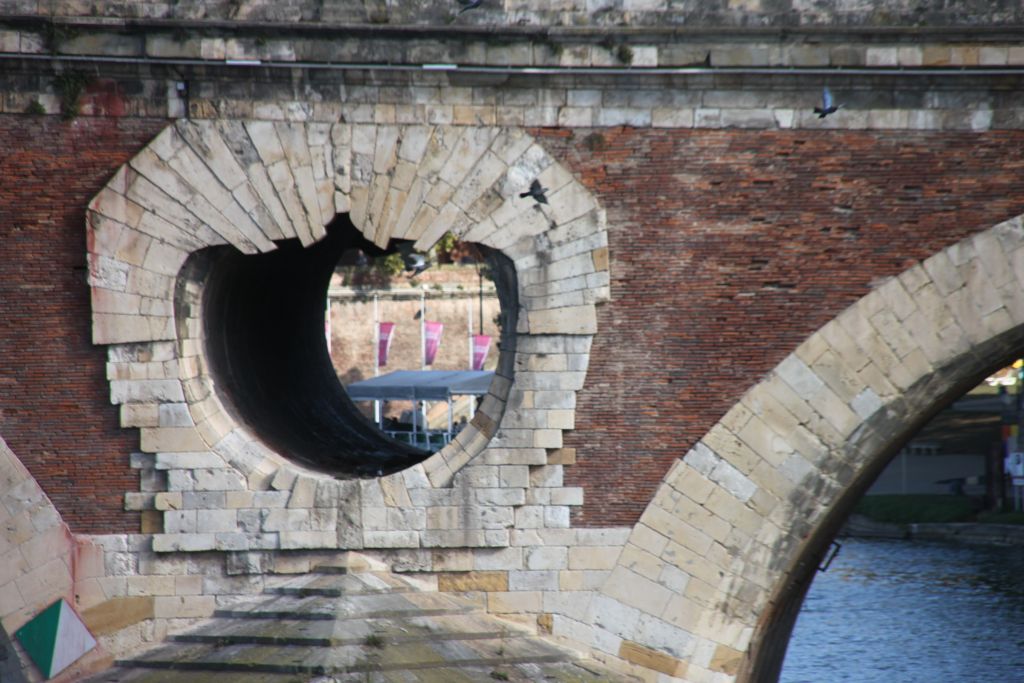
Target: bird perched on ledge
(536, 191)
(827, 105)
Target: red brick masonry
(728, 248)
(55, 410)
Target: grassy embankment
(910, 509)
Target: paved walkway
(333, 626)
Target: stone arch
(250, 183)
(711, 580)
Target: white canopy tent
(422, 385)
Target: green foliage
(391, 264)
(446, 243)
(499, 675)
(622, 52)
(556, 48)
(35, 108)
(69, 86)
(897, 509)
(56, 34)
(373, 640)
(595, 142)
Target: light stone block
(547, 558)
(151, 391)
(217, 480)
(557, 517)
(182, 542)
(183, 606)
(514, 602)
(150, 585)
(593, 557)
(613, 616)
(294, 540)
(188, 460)
(212, 521)
(526, 580)
(171, 439)
(303, 493)
(391, 539)
(500, 496)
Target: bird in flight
(827, 105)
(469, 4)
(536, 191)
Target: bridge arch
(711, 580)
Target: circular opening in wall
(263, 327)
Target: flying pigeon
(536, 191)
(470, 4)
(415, 263)
(827, 106)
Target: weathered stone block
(166, 440)
(516, 602)
(529, 580)
(118, 613)
(186, 542)
(183, 606)
(489, 581)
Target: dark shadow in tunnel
(263, 321)
(263, 333)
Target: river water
(912, 612)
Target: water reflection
(912, 612)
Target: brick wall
(728, 248)
(55, 411)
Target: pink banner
(481, 345)
(385, 335)
(433, 341)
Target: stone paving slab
(336, 585)
(317, 660)
(377, 627)
(347, 632)
(565, 672)
(352, 607)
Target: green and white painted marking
(55, 638)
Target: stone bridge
(728, 317)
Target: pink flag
(384, 343)
(433, 340)
(481, 345)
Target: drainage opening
(262, 319)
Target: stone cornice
(984, 33)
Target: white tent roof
(421, 385)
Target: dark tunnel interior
(263, 320)
(263, 329)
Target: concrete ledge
(859, 526)
(993, 534)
